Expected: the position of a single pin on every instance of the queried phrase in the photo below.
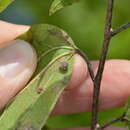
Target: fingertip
(80, 72)
(17, 64)
(10, 31)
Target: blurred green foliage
(83, 119)
(84, 22)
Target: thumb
(17, 64)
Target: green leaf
(127, 114)
(34, 104)
(44, 38)
(59, 4)
(4, 4)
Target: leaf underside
(34, 104)
(59, 4)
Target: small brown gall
(63, 67)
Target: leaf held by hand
(34, 104)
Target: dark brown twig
(97, 81)
(120, 29)
(81, 53)
(121, 118)
(108, 34)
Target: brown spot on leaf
(39, 90)
(63, 67)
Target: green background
(84, 22)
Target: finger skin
(115, 87)
(10, 31)
(17, 62)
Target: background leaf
(33, 105)
(59, 4)
(127, 114)
(81, 120)
(4, 4)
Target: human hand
(78, 96)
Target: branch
(121, 118)
(84, 56)
(120, 29)
(97, 81)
